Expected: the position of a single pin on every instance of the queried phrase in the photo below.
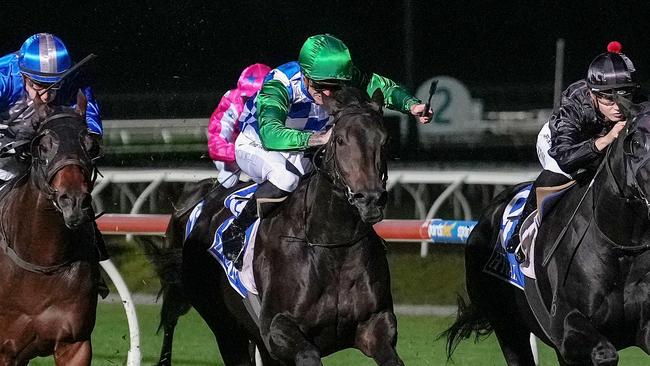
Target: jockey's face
(608, 107)
(35, 90)
(318, 92)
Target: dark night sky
(180, 46)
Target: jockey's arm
(272, 108)
(221, 130)
(395, 96)
(568, 146)
(93, 119)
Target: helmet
(611, 71)
(251, 79)
(44, 58)
(325, 57)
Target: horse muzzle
(76, 208)
(370, 205)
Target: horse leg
(175, 305)
(377, 338)
(73, 354)
(166, 349)
(204, 284)
(514, 343)
(289, 344)
(581, 343)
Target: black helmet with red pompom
(611, 72)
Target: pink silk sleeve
(223, 129)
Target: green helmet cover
(325, 57)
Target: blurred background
(164, 65)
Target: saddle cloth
(502, 264)
(241, 281)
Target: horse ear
(82, 103)
(377, 100)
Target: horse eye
(339, 140)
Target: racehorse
(320, 268)
(48, 263)
(592, 265)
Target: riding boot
(233, 238)
(546, 178)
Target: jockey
(40, 62)
(223, 128)
(579, 130)
(287, 117)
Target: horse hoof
(604, 354)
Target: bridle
(44, 169)
(327, 155)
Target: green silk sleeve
(272, 107)
(395, 96)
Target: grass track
(195, 346)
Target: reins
(337, 180)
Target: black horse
(595, 282)
(320, 268)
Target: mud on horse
(592, 266)
(320, 268)
(48, 263)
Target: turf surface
(195, 346)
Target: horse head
(633, 147)
(354, 155)
(63, 154)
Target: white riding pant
(228, 173)
(543, 146)
(281, 168)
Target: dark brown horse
(320, 268)
(48, 262)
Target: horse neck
(623, 220)
(36, 239)
(330, 217)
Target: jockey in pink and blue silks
(223, 128)
(287, 117)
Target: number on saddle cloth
(243, 281)
(504, 265)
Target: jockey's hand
(418, 110)
(604, 141)
(319, 138)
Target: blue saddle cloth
(235, 202)
(502, 264)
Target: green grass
(434, 280)
(195, 346)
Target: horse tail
(471, 317)
(469, 320)
(168, 265)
